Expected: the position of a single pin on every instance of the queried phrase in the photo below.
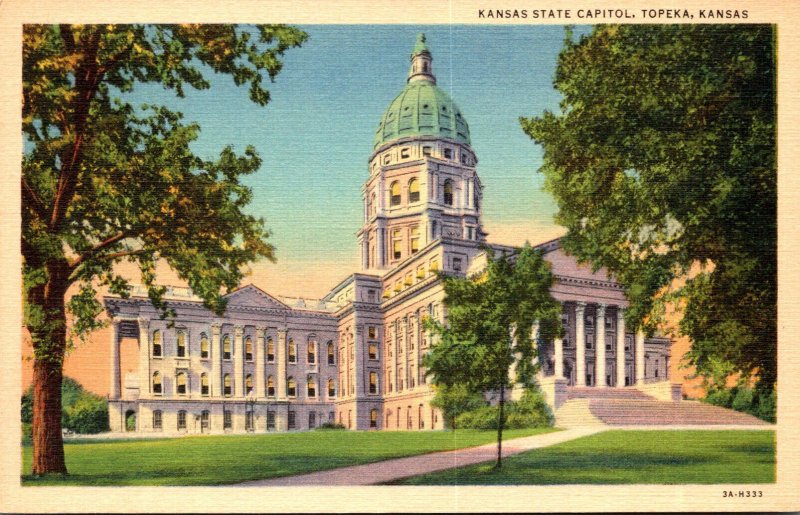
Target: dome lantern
(421, 62)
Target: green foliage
(489, 323)
(104, 181)
(82, 411)
(88, 415)
(761, 403)
(27, 433)
(454, 400)
(331, 426)
(530, 411)
(489, 326)
(663, 164)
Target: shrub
(81, 410)
(88, 415)
(331, 426)
(530, 411)
(27, 433)
(758, 402)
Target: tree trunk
(49, 337)
(500, 423)
(48, 445)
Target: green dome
(422, 109)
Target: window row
(227, 383)
(427, 151)
(227, 420)
(227, 353)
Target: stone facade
(355, 356)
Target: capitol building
(354, 357)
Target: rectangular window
(415, 239)
(270, 420)
(373, 351)
(157, 419)
(628, 342)
(370, 295)
(397, 244)
(387, 159)
(227, 419)
(249, 421)
(292, 421)
(405, 152)
(312, 420)
(609, 323)
(372, 332)
(181, 419)
(590, 341)
(448, 153)
(456, 264)
(426, 151)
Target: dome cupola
(421, 108)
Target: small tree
(489, 327)
(454, 400)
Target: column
(638, 357)
(281, 351)
(260, 390)
(114, 391)
(216, 361)
(600, 346)
(381, 261)
(580, 344)
(144, 357)
(558, 357)
(238, 364)
(620, 346)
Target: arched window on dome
(394, 191)
(448, 192)
(413, 190)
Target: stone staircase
(628, 406)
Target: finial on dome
(420, 45)
(421, 61)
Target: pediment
(252, 297)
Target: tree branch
(32, 200)
(100, 246)
(112, 256)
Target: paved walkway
(390, 470)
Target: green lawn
(212, 460)
(630, 457)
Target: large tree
(662, 161)
(489, 327)
(105, 181)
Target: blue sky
(315, 136)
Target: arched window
(248, 349)
(312, 387)
(448, 192)
(157, 420)
(331, 388)
(394, 191)
(270, 387)
(156, 383)
(180, 383)
(203, 346)
(182, 419)
(373, 419)
(248, 384)
(312, 352)
(226, 347)
(157, 343)
(181, 345)
(331, 354)
(226, 385)
(270, 351)
(413, 190)
(204, 384)
(292, 351)
(291, 387)
(373, 382)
